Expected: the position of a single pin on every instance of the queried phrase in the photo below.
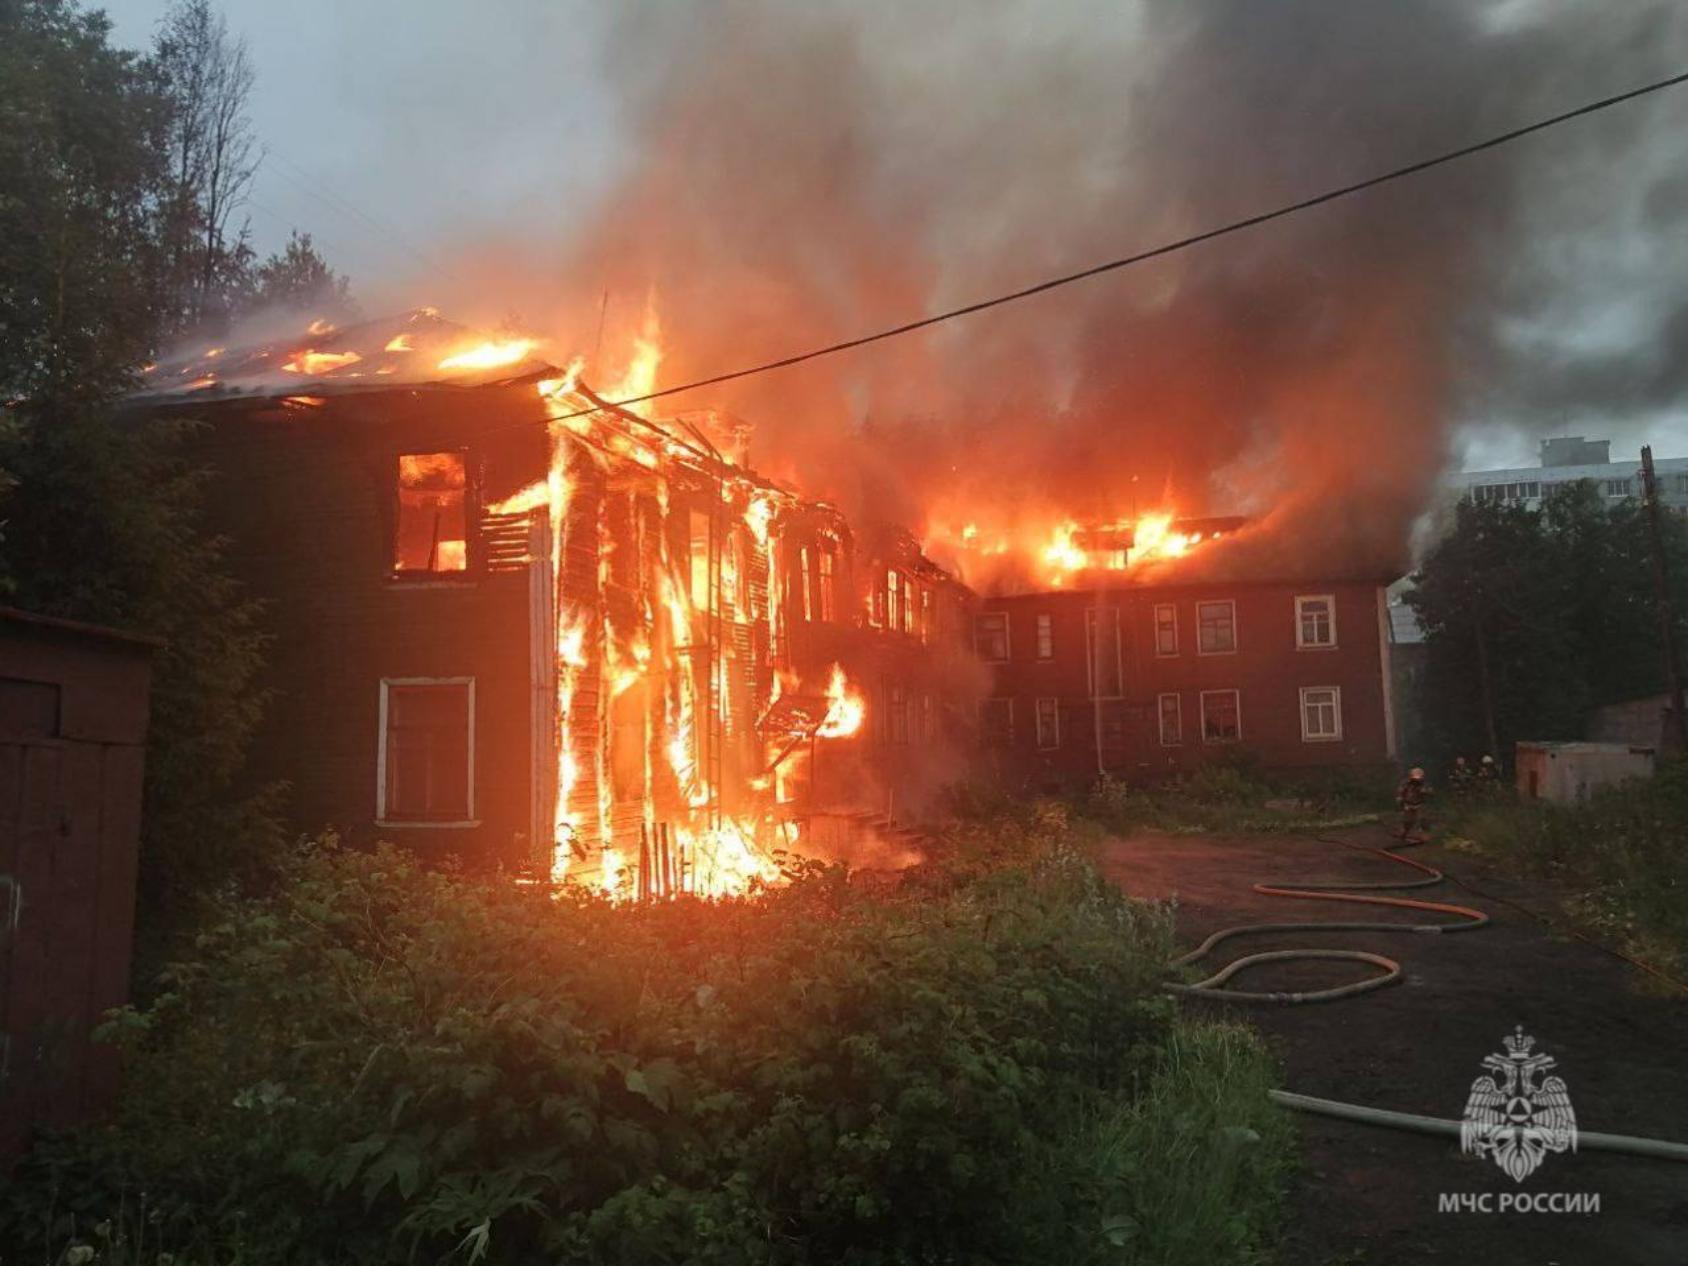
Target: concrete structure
(73, 723)
(1566, 773)
(1568, 460)
(1644, 723)
(1142, 682)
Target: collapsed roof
(415, 348)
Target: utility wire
(1168, 248)
(389, 234)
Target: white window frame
(1335, 693)
(381, 818)
(1007, 635)
(1044, 629)
(1177, 711)
(1055, 713)
(1172, 607)
(1202, 715)
(1329, 599)
(1236, 637)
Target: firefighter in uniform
(1460, 776)
(1411, 796)
(1488, 775)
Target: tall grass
(1229, 797)
(1192, 1172)
(1623, 853)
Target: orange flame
(308, 362)
(491, 354)
(846, 710)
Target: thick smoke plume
(803, 173)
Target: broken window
(431, 536)
(926, 614)
(1171, 709)
(1102, 652)
(1216, 627)
(896, 706)
(1166, 629)
(826, 562)
(996, 722)
(1321, 713)
(1045, 636)
(427, 750)
(1221, 716)
(1315, 620)
(1048, 723)
(990, 636)
(697, 546)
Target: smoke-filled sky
(764, 175)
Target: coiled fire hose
(1331, 890)
(1390, 972)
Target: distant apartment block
(1567, 460)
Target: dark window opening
(1221, 716)
(427, 750)
(990, 636)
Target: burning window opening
(431, 537)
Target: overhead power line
(1168, 248)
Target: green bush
(380, 1060)
(1232, 796)
(1621, 851)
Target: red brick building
(1138, 681)
(517, 625)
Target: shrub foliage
(381, 1061)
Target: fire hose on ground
(1389, 972)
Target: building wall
(1614, 481)
(307, 498)
(1266, 668)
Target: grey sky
(403, 135)
(439, 122)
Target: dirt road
(1369, 1197)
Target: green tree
(299, 278)
(1531, 618)
(101, 521)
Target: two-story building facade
(515, 624)
(1142, 681)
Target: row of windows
(1216, 633)
(1219, 718)
(903, 605)
(1532, 490)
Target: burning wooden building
(1123, 653)
(518, 623)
